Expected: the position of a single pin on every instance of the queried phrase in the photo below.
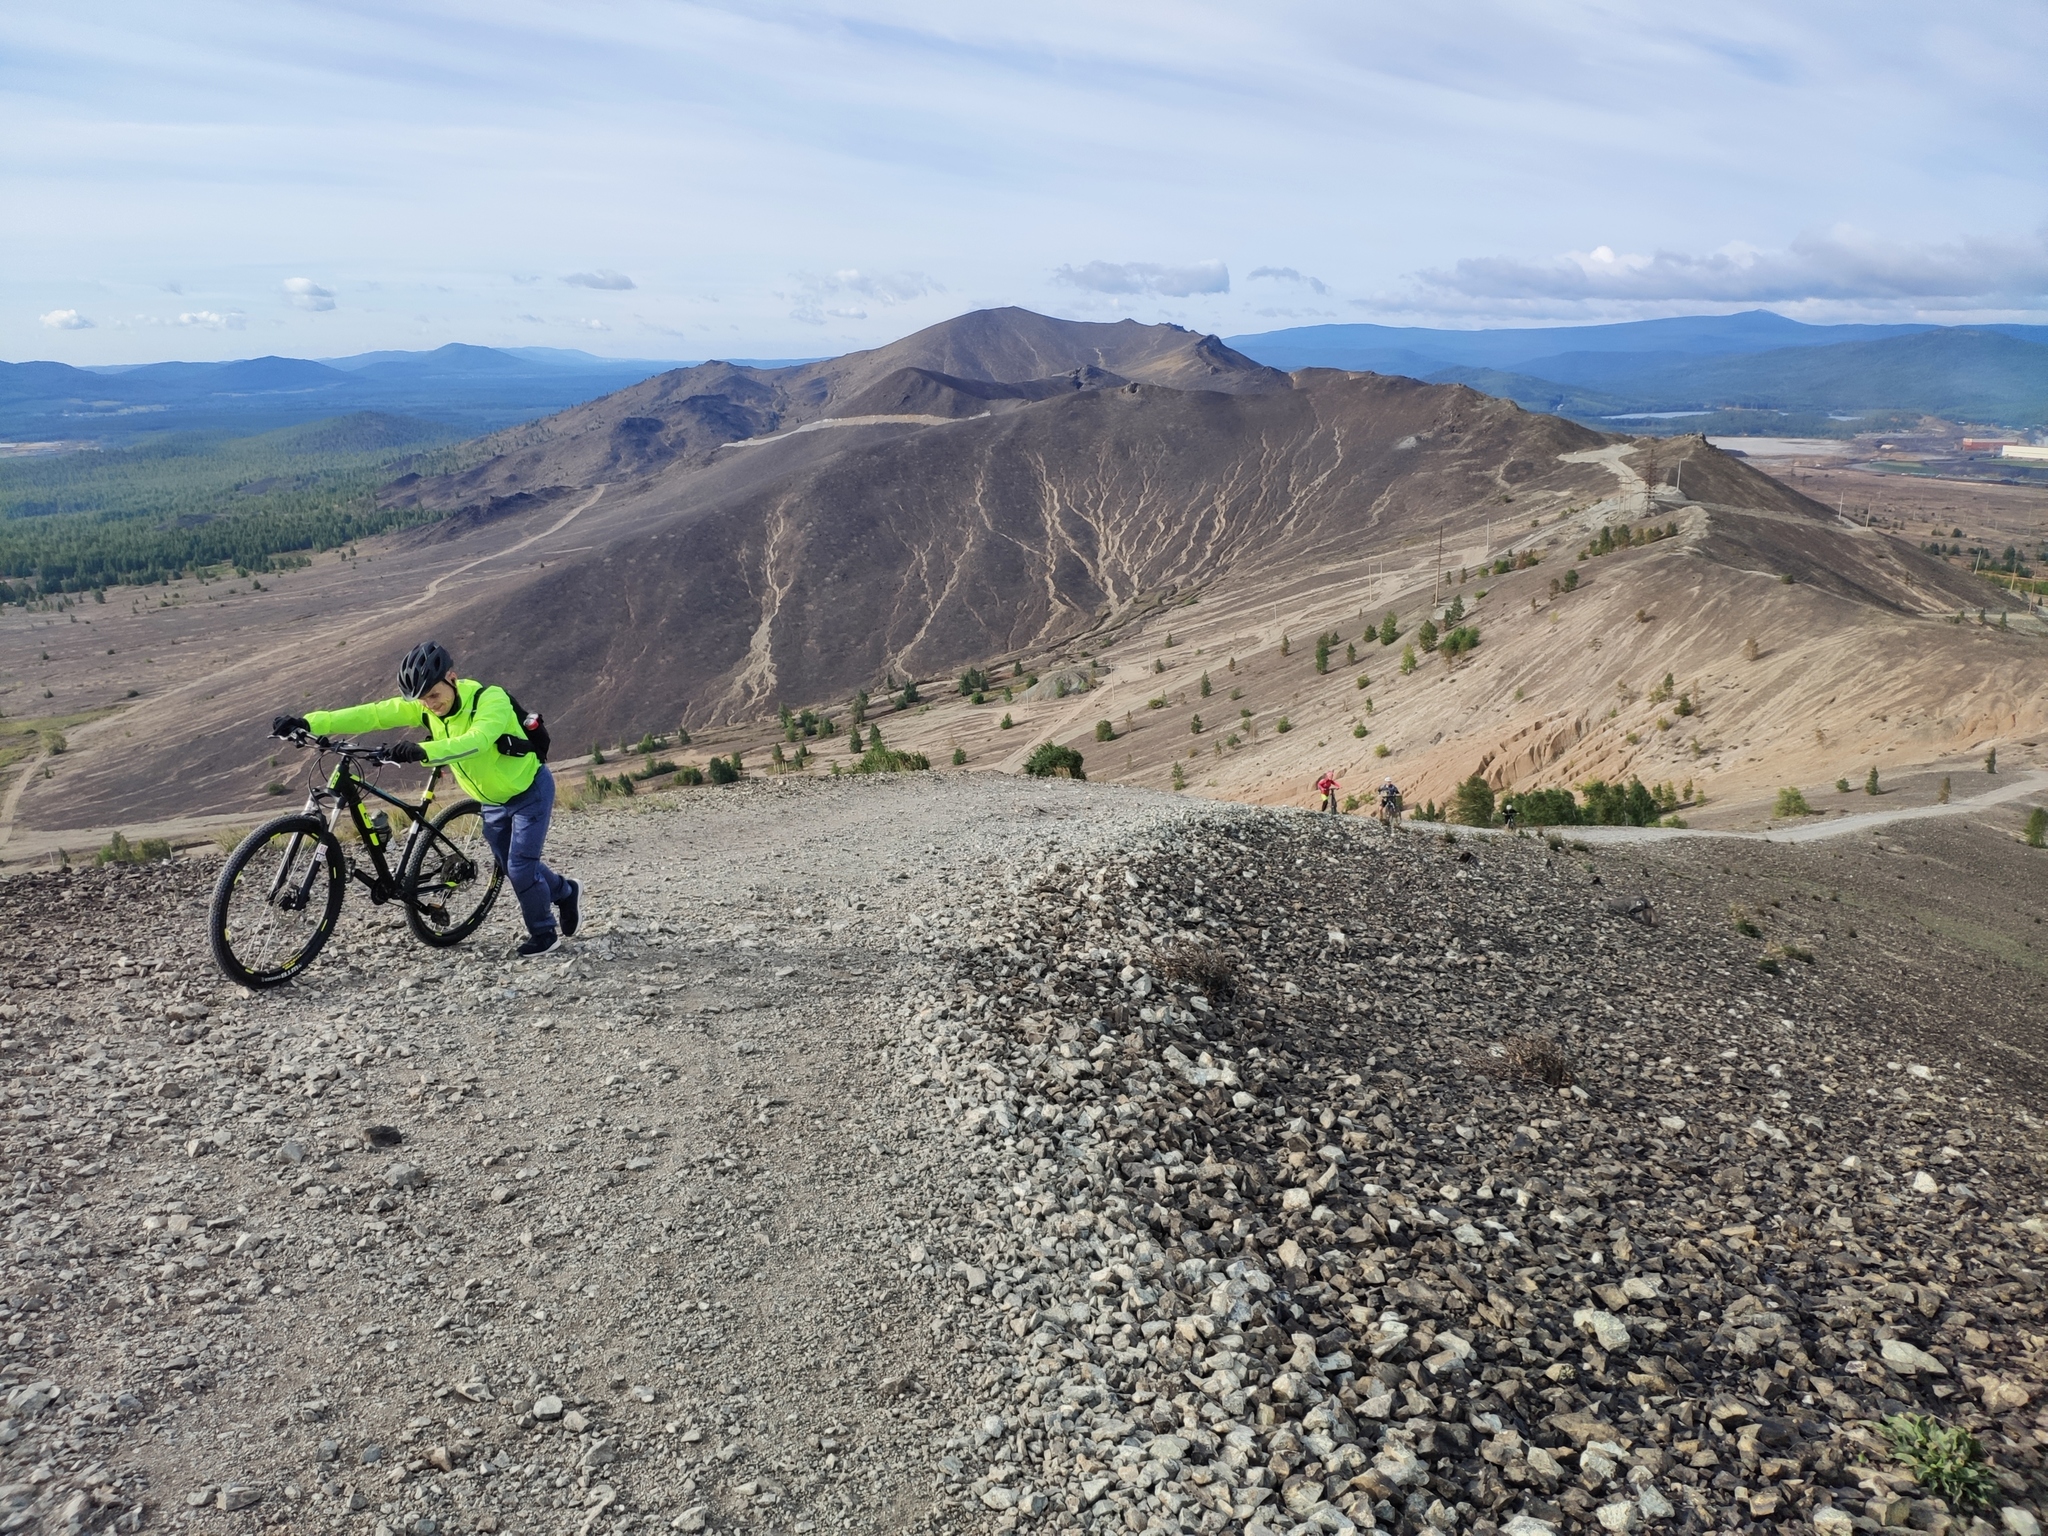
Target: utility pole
(1439, 556)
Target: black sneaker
(535, 945)
(571, 917)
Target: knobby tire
(450, 880)
(275, 904)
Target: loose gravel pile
(955, 1155)
(1327, 1182)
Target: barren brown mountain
(1124, 510)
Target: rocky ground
(965, 1154)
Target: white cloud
(603, 277)
(1134, 277)
(1289, 275)
(307, 294)
(593, 325)
(1842, 264)
(66, 320)
(815, 291)
(208, 320)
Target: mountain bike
(279, 894)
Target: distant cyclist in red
(1329, 786)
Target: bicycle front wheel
(450, 877)
(275, 903)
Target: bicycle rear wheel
(275, 903)
(450, 877)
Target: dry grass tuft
(1207, 971)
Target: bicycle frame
(344, 791)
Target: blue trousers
(516, 832)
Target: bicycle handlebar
(342, 748)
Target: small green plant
(1791, 802)
(1180, 778)
(959, 757)
(2037, 828)
(1158, 703)
(118, 850)
(1390, 631)
(274, 787)
(1841, 786)
(1203, 686)
(1195, 726)
(1363, 683)
(721, 770)
(1945, 1459)
(1684, 706)
(1739, 917)
(1870, 782)
(1359, 731)
(689, 773)
(1283, 725)
(1286, 645)
(1005, 723)
(1408, 661)
(1104, 731)
(973, 681)
(1941, 795)
(1426, 635)
(1571, 580)
(879, 759)
(1381, 749)
(1991, 761)
(596, 755)
(1050, 760)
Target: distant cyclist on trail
(474, 729)
(1328, 786)
(1390, 804)
(1507, 814)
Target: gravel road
(969, 1154)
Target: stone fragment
(1610, 1330)
(1908, 1358)
(405, 1176)
(547, 1408)
(234, 1496)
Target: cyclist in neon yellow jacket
(473, 729)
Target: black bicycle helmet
(424, 665)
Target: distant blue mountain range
(474, 389)
(1755, 361)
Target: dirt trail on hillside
(1818, 831)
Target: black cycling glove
(406, 752)
(288, 725)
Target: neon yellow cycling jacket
(467, 740)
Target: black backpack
(536, 739)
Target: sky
(678, 180)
